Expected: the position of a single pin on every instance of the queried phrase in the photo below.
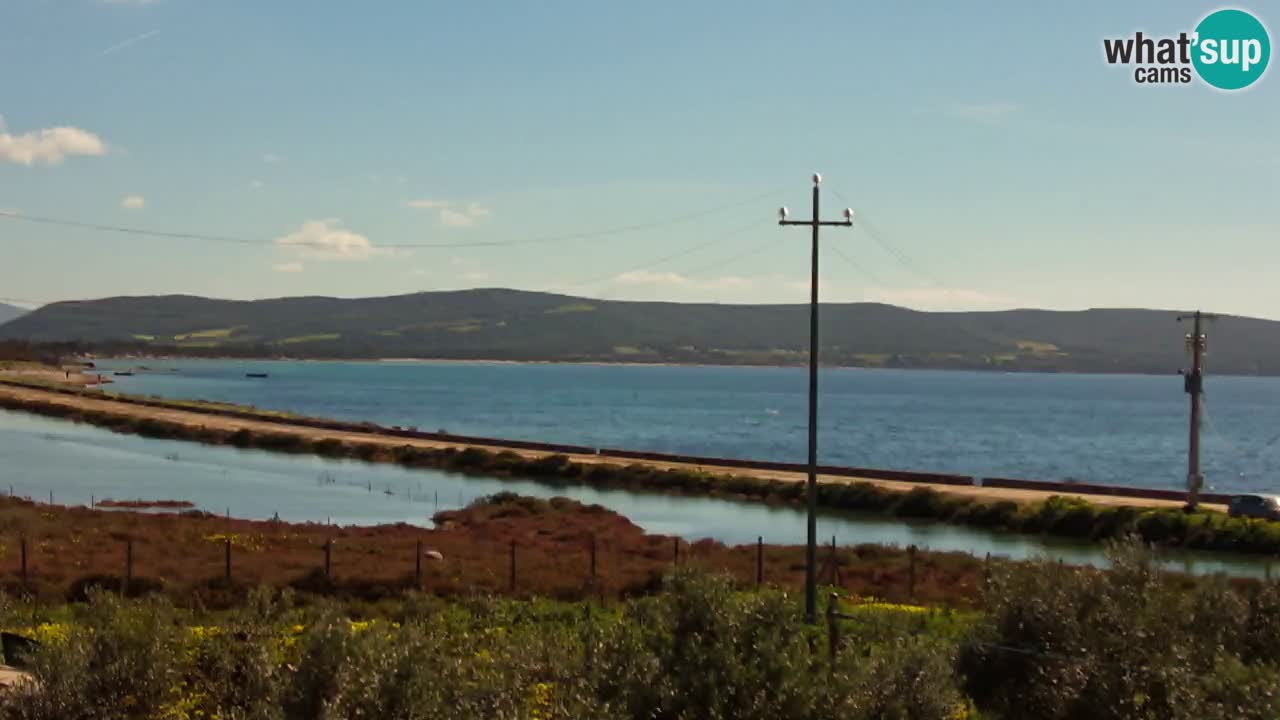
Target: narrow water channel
(79, 463)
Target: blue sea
(1120, 429)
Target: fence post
(128, 565)
(417, 567)
(675, 553)
(759, 560)
(833, 630)
(328, 558)
(986, 573)
(911, 573)
(593, 559)
(513, 566)
(226, 560)
(50, 497)
(835, 567)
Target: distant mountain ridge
(497, 324)
(9, 312)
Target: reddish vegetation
(182, 555)
(146, 504)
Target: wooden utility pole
(1193, 383)
(811, 546)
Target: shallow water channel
(80, 463)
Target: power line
(865, 273)
(753, 250)
(892, 248)
(228, 239)
(664, 259)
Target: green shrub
(124, 663)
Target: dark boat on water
(255, 375)
(122, 373)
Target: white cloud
(453, 218)
(672, 279)
(476, 276)
(289, 267)
(130, 41)
(133, 202)
(987, 113)
(272, 158)
(426, 204)
(49, 146)
(328, 240)
(255, 184)
(12, 212)
(645, 277)
(452, 214)
(940, 298)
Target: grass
(1047, 642)
(570, 308)
(215, 334)
(318, 337)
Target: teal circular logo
(1231, 49)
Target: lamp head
(782, 213)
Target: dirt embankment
(184, 556)
(193, 418)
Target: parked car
(1259, 506)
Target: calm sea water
(1121, 429)
(78, 463)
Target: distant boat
(123, 373)
(255, 375)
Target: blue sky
(997, 159)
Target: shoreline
(635, 363)
(1092, 518)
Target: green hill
(9, 312)
(517, 325)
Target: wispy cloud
(288, 267)
(988, 113)
(426, 204)
(453, 214)
(673, 279)
(940, 298)
(272, 158)
(328, 240)
(255, 184)
(477, 276)
(133, 202)
(131, 41)
(49, 146)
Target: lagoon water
(1119, 429)
(80, 463)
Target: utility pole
(811, 545)
(1193, 383)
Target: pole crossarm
(828, 223)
